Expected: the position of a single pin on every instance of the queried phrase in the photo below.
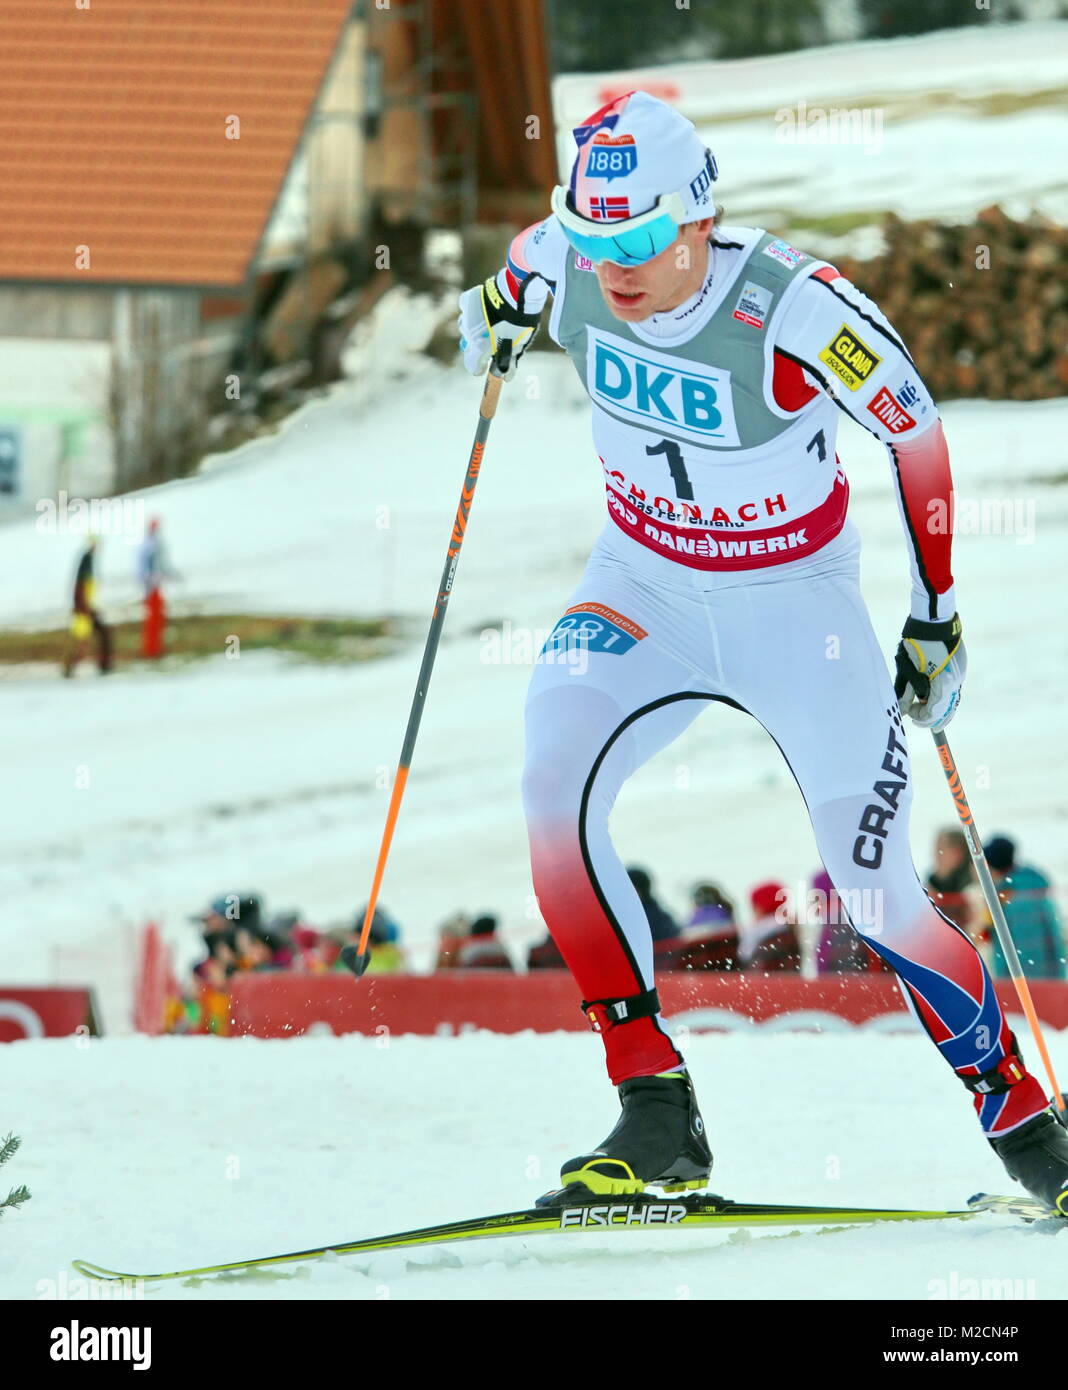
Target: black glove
(931, 663)
(490, 329)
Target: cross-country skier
(717, 359)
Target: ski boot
(1036, 1155)
(660, 1140)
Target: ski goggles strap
(604, 1014)
(625, 241)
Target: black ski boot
(659, 1140)
(1036, 1155)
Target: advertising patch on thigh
(593, 627)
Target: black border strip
(587, 790)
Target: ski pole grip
(491, 395)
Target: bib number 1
(676, 466)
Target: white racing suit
(726, 579)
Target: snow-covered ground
(319, 1140)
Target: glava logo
(850, 358)
(639, 385)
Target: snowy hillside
(264, 773)
(954, 121)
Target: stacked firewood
(982, 306)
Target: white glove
(491, 330)
(931, 664)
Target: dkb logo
(643, 387)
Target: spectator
(713, 911)
(711, 935)
(218, 927)
(152, 570)
(451, 936)
(482, 950)
(383, 928)
(839, 949)
(220, 963)
(949, 882)
(383, 941)
(661, 923)
(86, 621)
(259, 948)
(1032, 917)
(546, 956)
(310, 947)
(770, 941)
(387, 956)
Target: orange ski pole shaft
(357, 958)
(997, 913)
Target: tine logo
(893, 416)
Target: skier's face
(633, 292)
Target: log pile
(982, 307)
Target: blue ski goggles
(630, 241)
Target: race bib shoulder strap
(711, 391)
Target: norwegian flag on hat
(608, 209)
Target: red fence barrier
(45, 1013)
(282, 1005)
(155, 987)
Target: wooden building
(187, 187)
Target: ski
(1028, 1208)
(642, 1212)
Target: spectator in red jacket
(770, 941)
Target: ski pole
(997, 912)
(357, 958)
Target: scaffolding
(420, 86)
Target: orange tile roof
(113, 132)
